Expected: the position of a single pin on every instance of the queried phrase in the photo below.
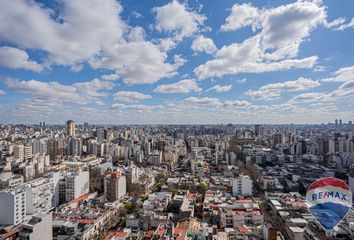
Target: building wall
(10, 213)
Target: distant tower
(257, 130)
(336, 123)
(70, 128)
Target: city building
(38, 227)
(70, 128)
(12, 206)
(115, 186)
(242, 185)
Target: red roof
(80, 199)
(120, 234)
(180, 233)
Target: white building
(19, 152)
(240, 214)
(54, 177)
(242, 185)
(76, 184)
(12, 206)
(39, 195)
(115, 186)
(38, 227)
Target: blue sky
(176, 61)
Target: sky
(176, 62)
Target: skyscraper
(70, 128)
(257, 130)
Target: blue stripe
(329, 214)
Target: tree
(202, 188)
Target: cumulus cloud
(344, 74)
(183, 86)
(219, 88)
(273, 90)
(203, 44)
(178, 19)
(275, 47)
(85, 27)
(247, 57)
(77, 93)
(242, 15)
(17, 59)
(139, 62)
(93, 32)
(130, 96)
(207, 101)
(110, 77)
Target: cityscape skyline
(174, 62)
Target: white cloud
(17, 59)
(110, 77)
(136, 107)
(82, 30)
(177, 18)
(236, 103)
(344, 26)
(136, 34)
(285, 28)
(219, 88)
(206, 101)
(275, 47)
(166, 44)
(247, 57)
(214, 104)
(335, 23)
(203, 44)
(273, 90)
(344, 74)
(242, 15)
(183, 86)
(77, 93)
(130, 96)
(2, 92)
(344, 90)
(139, 62)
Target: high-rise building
(19, 152)
(257, 130)
(230, 130)
(74, 147)
(73, 185)
(115, 186)
(70, 128)
(13, 206)
(97, 175)
(39, 194)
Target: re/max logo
(327, 194)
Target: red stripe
(334, 182)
